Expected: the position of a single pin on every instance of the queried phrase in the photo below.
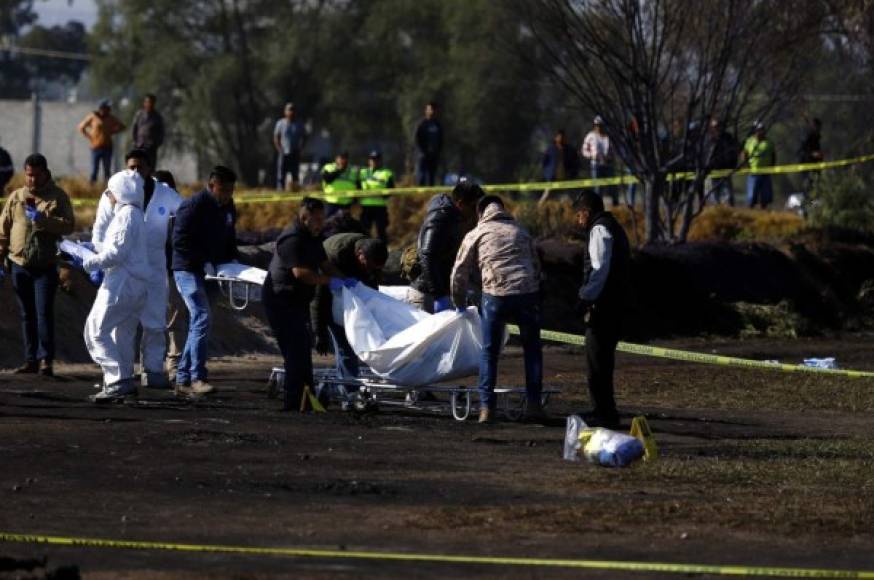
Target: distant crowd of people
(721, 151)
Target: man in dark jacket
(6, 169)
(722, 150)
(448, 219)
(298, 267)
(148, 129)
(560, 160)
(204, 236)
(603, 298)
(429, 145)
(351, 256)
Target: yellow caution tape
(445, 558)
(255, 197)
(697, 357)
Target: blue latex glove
(441, 304)
(96, 277)
(336, 284)
(460, 310)
(77, 262)
(350, 282)
(88, 246)
(32, 213)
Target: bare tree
(672, 66)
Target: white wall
(67, 151)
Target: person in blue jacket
(204, 236)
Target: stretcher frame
(238, 292)
(369, 392)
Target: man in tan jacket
(32, 221)
(99, 127)
(504, 256)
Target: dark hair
(432, 104)
(137, 154)
(36, 161)
(467, 191)
(165, 176)
(311, 204)
(152, 97)
(591, 201)
(343, 154)
(223, 174)
(560, 132)
(486, 201)
(373, 249)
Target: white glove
(209, 269)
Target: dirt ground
(756, 468)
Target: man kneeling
(110, 331)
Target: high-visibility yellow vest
(376, 179)
(344, 182)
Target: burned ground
(757, 467)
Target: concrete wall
(67, 150)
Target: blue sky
(53, 12)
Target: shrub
(842, 199)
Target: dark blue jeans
(35, 291)
(192, 363)
(378, 215)
(289, 325)
(495, 312)
(98, 157)
(426, 170)
(601, 172)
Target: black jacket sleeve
(436, 255)
(185, 251)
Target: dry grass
(555, 218)
(723, 223)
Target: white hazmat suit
(161, 209)
(110, 331)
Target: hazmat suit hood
(127, 188)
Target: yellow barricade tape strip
(445, 559)
(697, 357)
(272, 197)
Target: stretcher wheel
(460, 412)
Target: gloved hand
(336, 284)
(459, 310)
(32, 213)
(323, 344)
(96, 277)
(209, 269)
(88, 246)
(441, 304)
(350, 282)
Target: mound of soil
(706, 287)
(810, 286)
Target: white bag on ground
(407, 346)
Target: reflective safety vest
(376, 179)
(344, 182)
